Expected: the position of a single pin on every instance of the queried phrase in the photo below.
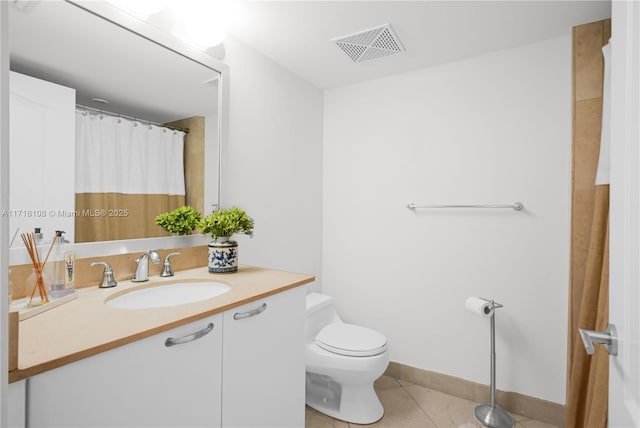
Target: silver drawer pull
(253, 313)
(189, 337)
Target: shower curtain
(588, 375)
(127, 172)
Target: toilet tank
(320, 312)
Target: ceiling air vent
(369, 44)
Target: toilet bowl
(342, 362)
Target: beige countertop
(87, 326)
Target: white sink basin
(169, 295)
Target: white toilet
(343, 360)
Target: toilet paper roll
(479, 306)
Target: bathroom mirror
(70, 44)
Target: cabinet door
(16, 404)
(263, 357)
(143, 384)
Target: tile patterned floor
(409, 405)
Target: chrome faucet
(168, 270)
(142, 270)
(107, 276)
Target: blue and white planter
(223, 255)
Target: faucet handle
(107, 276)
(168, 271)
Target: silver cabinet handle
(253, 313)
(171, 341)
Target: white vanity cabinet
(241, 368)
(170, 379)
(16, 404)
(264, 367)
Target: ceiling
(89, 56)
(297, 34)
(64, 44)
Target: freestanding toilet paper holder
(491, 414)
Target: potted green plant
(181, 221)
(222, 225)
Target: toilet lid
(351, 340)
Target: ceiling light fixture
(204, 22)
(201, 23)
(143, 9)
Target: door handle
(609, 338)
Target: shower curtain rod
(148, 122)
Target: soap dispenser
(62, 262)
(38, 236)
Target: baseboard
(514, 402)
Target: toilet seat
(351, 340)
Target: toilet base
(358, 404)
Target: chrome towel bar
(516, 206)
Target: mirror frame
(4, 205)
(162, 38)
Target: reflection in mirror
(103, 170)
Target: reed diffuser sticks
(31, 245)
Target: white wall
(272, 163)
(489, 129)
